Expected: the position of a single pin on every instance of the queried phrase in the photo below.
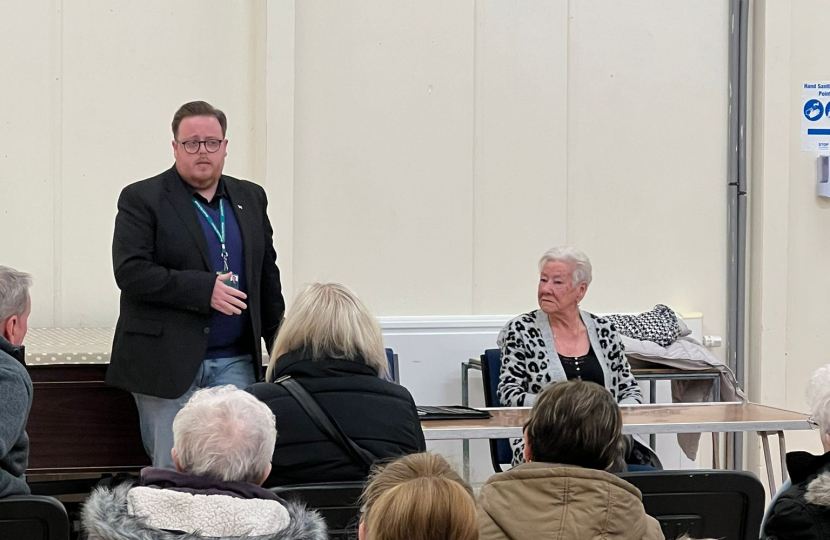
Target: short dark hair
(198, 108)
(575, 423)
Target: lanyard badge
(234, 279)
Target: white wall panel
(647, 154)
(383, 155)
(521, 143)
(28, 67)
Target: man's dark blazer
(160, 258)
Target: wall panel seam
(57, 160)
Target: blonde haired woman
(418, 497)
(332, 347)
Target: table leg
(716, 450)
(652, 398)
(782, 449)
(768, 461)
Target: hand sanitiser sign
(815, 119)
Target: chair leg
(716, 450)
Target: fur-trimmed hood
(107, 516)
(818, 491)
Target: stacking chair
(728, 505)
(33, 517)
(394, 372)
(500, 452)
(337, 502)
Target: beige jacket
(541, 501)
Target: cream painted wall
(423, 153)
(28, 218)
(647, 153)
(790, 245)
(436, 145)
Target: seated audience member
(802, 510)
(418, 497)
(573, 437)
(223, 439)
(15, 384)
(332, 347)
(559, 342)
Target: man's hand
(226, 299)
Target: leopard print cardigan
(529, 362)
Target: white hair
(581, 264)
(818, 397)
(327, 319)
(14, 292)
(225, 433)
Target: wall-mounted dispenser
(823, 172)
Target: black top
(378, 415)
(214, 202)
(583, 368)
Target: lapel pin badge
(239, 206)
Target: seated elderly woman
(801, 510)
(330, 349)
(573, 436)
(223, 439)
(559, 342)
(418, 497)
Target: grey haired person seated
(15, 383)
(223, 442)
(801, 509)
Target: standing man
(15, 384)
(194, 258)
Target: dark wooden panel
(64, 373)
(79, 424)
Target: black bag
(326, 424)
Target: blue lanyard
(221, 235)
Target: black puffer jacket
(378, 415)
(803, 511)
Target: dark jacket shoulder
(802, 512)
(15, 403)
(378, 415)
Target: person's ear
(7, 331)
(361, 531)
(527, 453)
(583, 288)
(175, 455)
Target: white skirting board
(430, 352)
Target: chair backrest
(392, 358)
(500, 452)
(33, 517)
(337, 502)
(703, 504)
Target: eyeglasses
(192, 147)
(813, 423)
